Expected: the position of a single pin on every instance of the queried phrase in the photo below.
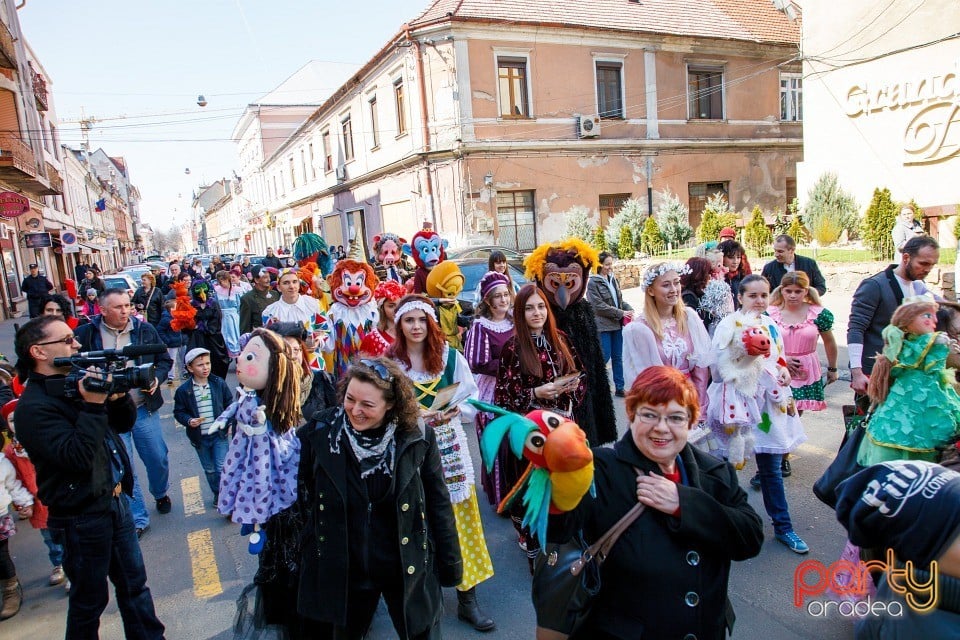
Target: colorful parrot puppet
(428, 250)
(444, 284)
(560, 470)
(354, 311)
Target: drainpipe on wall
(424, 124)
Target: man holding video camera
(85, 477)
(115, 328)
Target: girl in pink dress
(795, 308)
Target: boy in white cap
(196, 404)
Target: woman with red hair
(530, 363)
(667, 575)
(423, 354)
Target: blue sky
(148, 60)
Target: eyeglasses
(69, 340)
(501, 296)
(378, 368)
(652, 418)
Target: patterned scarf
(374, 453)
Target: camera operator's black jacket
(88, 336)
(66, 441)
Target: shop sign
(13, 205)
(40, 240)
(932, 102)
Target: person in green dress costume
(916, 408)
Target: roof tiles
(750, 20)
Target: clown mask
(564, 285)
(253, 364)
(354, 290)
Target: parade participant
(613, 312)
(709, 296)
(913, 509)
(173, 275)
(91, 281)
(733, 267)
(259, 477)
(86, 480)
(207, 332)
(907, 227)
(388, 258)
(370, 472)
(312, 256)
(35, 286)
(90, 306)
(431, 364)
(271, 260)
(795, 308)
(786, 260)
(57, 305)
(561, 270)
(444, 285)
(148, 300)
(491, 329)
(228, 299)
(196, 404)
(378, 340)
(498, 262)
(12, 492)
(186, 278)
(668, 574)
(176, 343)
(729, 233)
(353, 313)
(769, 412)
(667, 332)
(238, 279)
(317, 388)
(874, 302)
(27, 475)
(296, 307)
(916, 409)
(254, 302)
(115, 328)
(428, 250)
(531, 362)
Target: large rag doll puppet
(354, 312)
(259, 478)
(561, 270)
(444, 284)
(745, 394)
(428, 250)
(388, 253)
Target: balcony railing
(8, 51)
(54, 180)
(16, 154)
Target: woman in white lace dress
(667, 332)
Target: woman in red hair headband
(376, 343)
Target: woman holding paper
(539, 369)
(432, 365)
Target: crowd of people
(344, 454)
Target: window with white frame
(374, 122)
(791, 97)
(512, 79)
(327, 151)
(346, 129)
(399, 100)
(609, 89)
(705, 92)
(293, 174)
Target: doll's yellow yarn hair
(586, 255)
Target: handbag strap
(600, 549)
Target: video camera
(109, 364)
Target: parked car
(483, 253)
(473, 269)
(122, 280)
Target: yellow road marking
(192, 497)
(206, 576)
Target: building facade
(492, 120)
(885, 102)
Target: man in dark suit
(878, 297)
(786, 259)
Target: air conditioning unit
(588, 126)
(341, 173)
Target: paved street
(197, 563)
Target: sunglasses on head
(378, 368)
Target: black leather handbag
(844, 464)
(566, 579)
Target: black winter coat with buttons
(426, 543)
(666, 577)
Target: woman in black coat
(148, 299)
(378, 518)
(667, 575)
(207, 334)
